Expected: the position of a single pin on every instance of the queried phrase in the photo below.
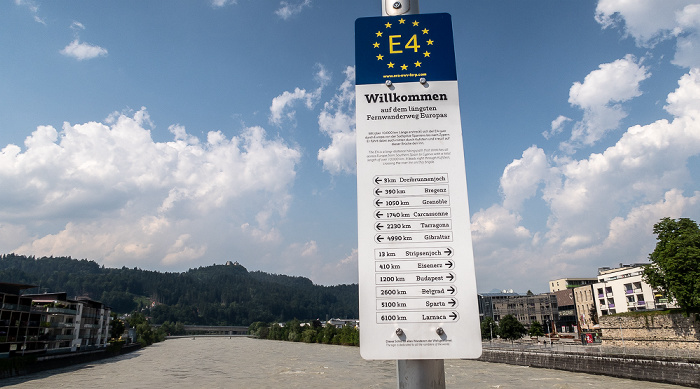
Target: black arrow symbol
(453, 316)
(451, 277)
(379, 238)
(448, 251)
(449, 264)
(379, 214)
(453, 302)
(378, 203)
(379, 226)
(452, 290)
(377, 191)
(377, 180)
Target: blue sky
(169, 136)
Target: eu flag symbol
(404, 49)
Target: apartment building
(20, 327)
(72, 324)
(622, 290)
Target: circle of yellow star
(425, 31)
(387, 25)
(418, 63)
(429, 42)
(402, 21)
(404, 67)
(380, 57)
(376, 44)
(379, 33)
(426, 54)
(415, 23)
(390, 64)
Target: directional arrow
(377, 180)
(379, 214)
(448, 251)
(378, 203)
(453, 315)
(377, 191)
(449, 264)
(379, 238)
(379, 226)
(453, 302)
(451, 277)
(452, 290)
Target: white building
(623, 290)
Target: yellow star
(415, 23)
(425, 31)
(379, 33)
(426, 54)
(380, 57)
(390, 64)
(417, 64)
(404, 67)
(430, 42)
(387, 25)
(376, 44)
(402, 21)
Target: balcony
(64, 311)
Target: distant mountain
(211, 295)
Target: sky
(172, 135)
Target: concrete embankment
(27, 365)
(677, 372)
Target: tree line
(313, 332)
(210, 295)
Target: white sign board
(417, 285)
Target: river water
(241, 362)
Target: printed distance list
(414, 284)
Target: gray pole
(415, 373)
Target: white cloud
(652, 21)
(107, 191)
(33, 8)
(287, 9)
(337, 120)
(82, 51)
(557, 127)
(522, 177)
(601, 208)
(280, 107)
(222, 3)
(600, 96)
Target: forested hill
(211, 295)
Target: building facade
(622, 290)
(20, 327)
(586, 314)
(526, 308)
(72, 325)
(569, 283)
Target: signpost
(418, 296)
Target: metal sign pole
(415, 373)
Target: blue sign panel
(404, 49)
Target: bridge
(213, 330)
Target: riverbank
(676, 371)
(251, 363)
(27, 365)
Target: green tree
(510, 328)
(536, 329)
(117, 326)
(675, 262)
(489, 329)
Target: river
(241, 362)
